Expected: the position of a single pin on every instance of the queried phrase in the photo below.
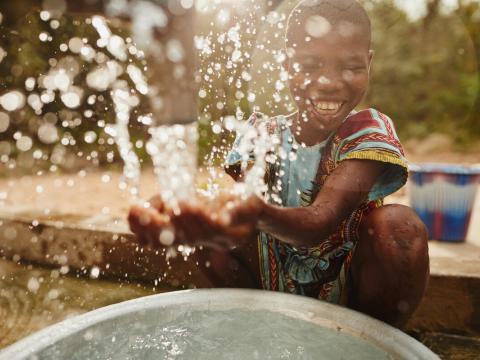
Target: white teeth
(332, 106)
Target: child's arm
(343, 192)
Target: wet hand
(224, 223)
(151, 221)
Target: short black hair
(334, 11)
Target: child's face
(329, 74)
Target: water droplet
(12, 100)
(202, 93)
(33, 284)
(54, 24)
(53, 294)
(216, 128)
(167, 237)
(317, 26)
(72, 98)
(106, 178)
(47, 133)
(87, 52)
(30, 83)
(24, 143)
(47, 97)
(61, 80)
(223, 16)
(137, 77)
(186, 4)
(175, 51)
(94, 272)
(43, 36)
(90, 137)
(236, 55)
(45, 15)
(279, 85)
(100, 78)
(323, 80)
(116, 47)
(3, 54)
(4, 121)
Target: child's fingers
(191, 224)
(157, 203)
(147, 224)
(134, 219)
(198, 227)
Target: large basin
(219, 324)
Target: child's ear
(370, 59)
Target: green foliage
(28, 56)
(425, 73)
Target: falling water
(109, 60)
(256, 141)
(173, 152)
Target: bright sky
(417, 8)
(414, 8)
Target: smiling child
(331, 237)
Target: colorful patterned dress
(296, 178)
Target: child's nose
(326, 83)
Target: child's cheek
(297, 88)
(360, 83)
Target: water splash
(258, 142)
(174, 151)
(131, 170)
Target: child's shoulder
(367, 120)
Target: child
(332, 238)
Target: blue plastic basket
(443, 196)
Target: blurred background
(425, 77)
(61, 205)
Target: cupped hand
(149, 221)
(225, 223)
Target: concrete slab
(81, 243)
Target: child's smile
(326, 107)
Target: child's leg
(390, 267)
(236, 268)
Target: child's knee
(396, 232)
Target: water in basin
(203, 334)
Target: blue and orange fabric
(296, 178)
